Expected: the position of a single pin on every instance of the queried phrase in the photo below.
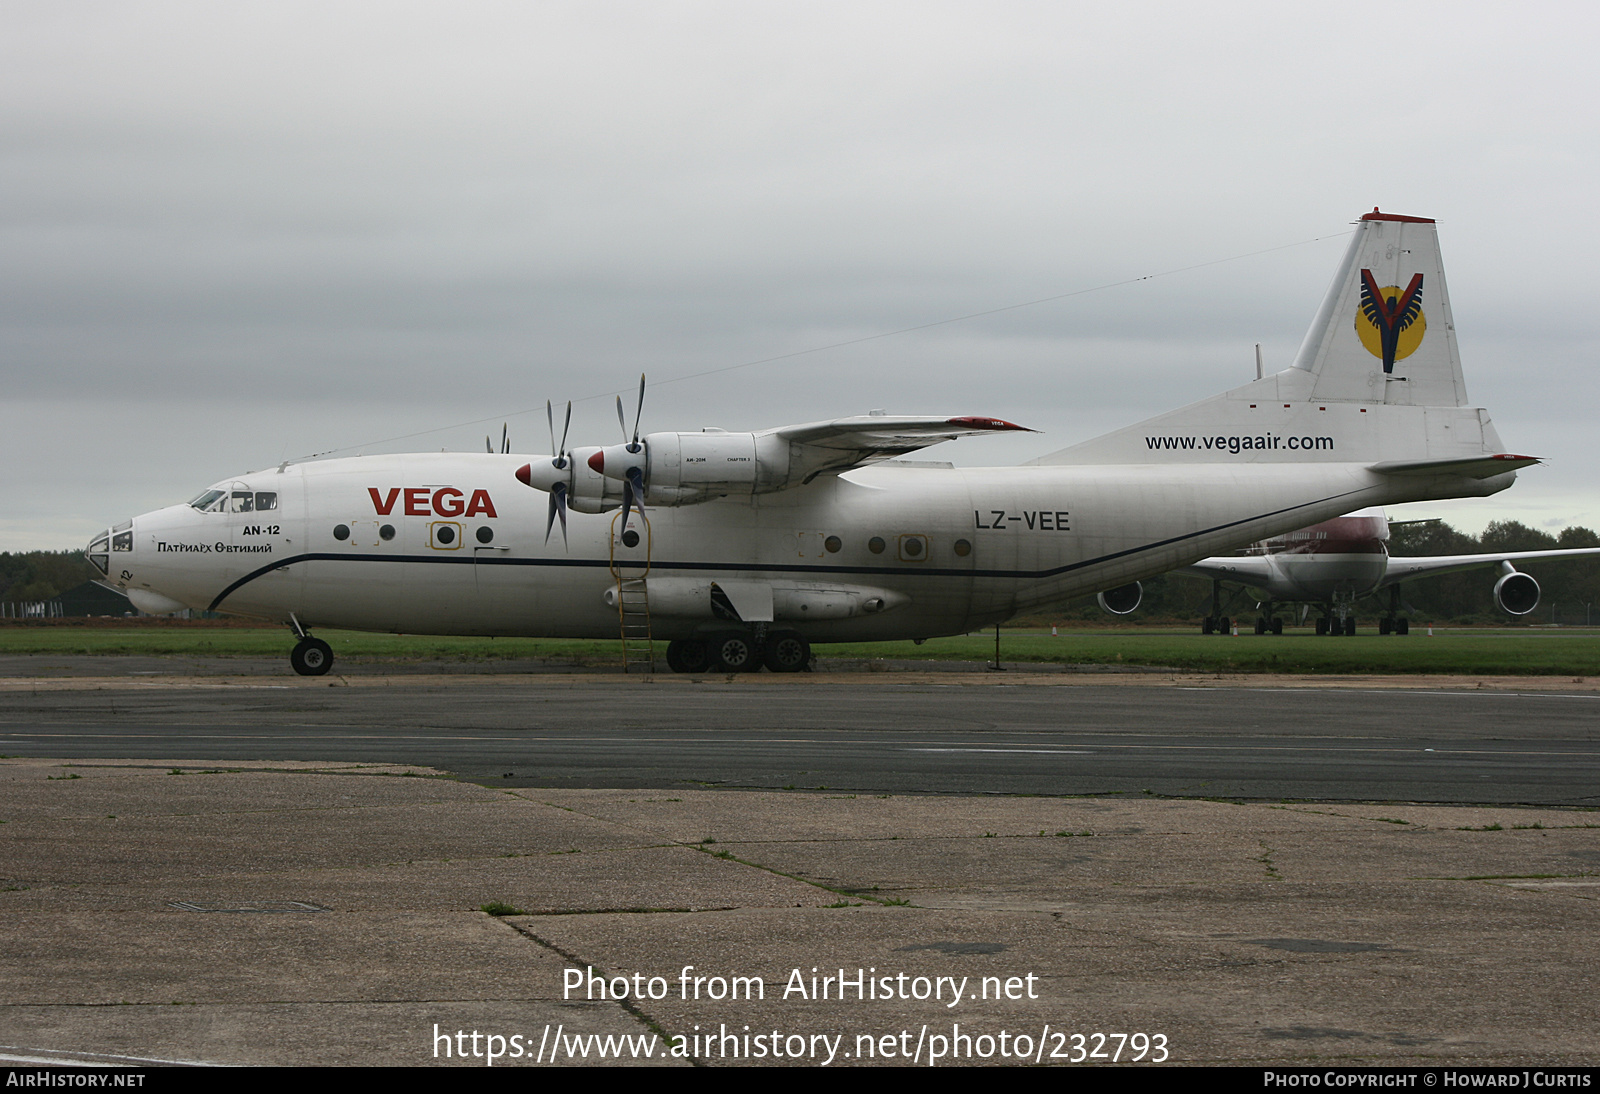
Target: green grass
(1521, 651)
(1468, 651)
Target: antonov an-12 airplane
(743, 549)
(1333, 564)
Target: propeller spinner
(626, 461)
(553, 475)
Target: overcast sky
(237, 233)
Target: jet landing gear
(1332, 624)
(1267, 622)
(310, 656)
(1394, 622)
(740, 651)
(1216, 622)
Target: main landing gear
(1394, 622)
(740, 651)
(310, 656)
(1216, 622)
(1331, 624)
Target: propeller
(558, 490)
(633, 477)
(505, 440)
(633, 445)
(557, 476)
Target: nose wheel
(311, 657)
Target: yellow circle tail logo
(1390, 322)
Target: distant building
(87, 599)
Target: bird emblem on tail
(1389, 313)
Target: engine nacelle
(1123, 599)
(587, 490)
(1516, 593)
(686, 468)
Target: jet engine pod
(1123, 599)
(1517, 593)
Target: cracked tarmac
(300, 913)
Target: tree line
(42, 575)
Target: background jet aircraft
(1333, 564)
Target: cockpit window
(211, 501)
(243, 501)
(265, 500)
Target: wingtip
(996, 424)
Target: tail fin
(1384, 333)
(1378, 377)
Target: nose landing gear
(310, 656)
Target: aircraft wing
(821, 447)
(1404, 569)
(1246, 569)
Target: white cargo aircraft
(742, 549)
(1333, 564)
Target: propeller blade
(622, 421)
(558, 508)
(563, 453)
(488, 446)
(637, 415)
(627, 502)
(634, 486)
(505, 437)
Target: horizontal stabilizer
(1471, 467)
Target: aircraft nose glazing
(98, 552)
(113, 541)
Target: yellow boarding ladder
(633, 603)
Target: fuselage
(454, 544)
(1335, 559)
